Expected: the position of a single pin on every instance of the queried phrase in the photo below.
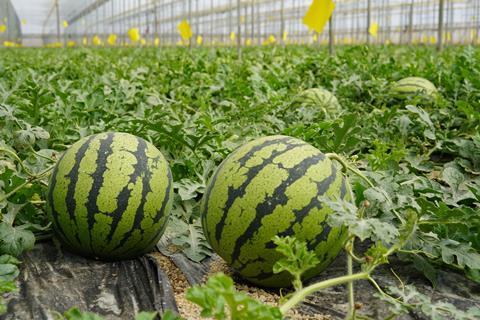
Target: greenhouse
(242, 159)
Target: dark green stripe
(264, 276)
(239, 192)
(104, 151)
(343, 189)
(243, 160)
(70, 201)
(301, 214)
(53, 183)
(277, 198)
(410, 85)
(213, 181)
(141, 166)
(124, 195)
(160, 214)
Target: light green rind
(413, 86)
(254, 257)
(320, 99)
(143, 193)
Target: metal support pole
(190, 42)
(331, 35)
(155, 17)
(441, 11)
(410, 23)
(282, 21)
(172, 40)
(112, 13)
(369, 19)
(253, 21)
(57, 12)
(239, 31)
(228, 28)
(211, 22)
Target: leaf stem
(27, 171)
(17, 188)
(16, 157)
(41, 155)
(350, 245)
(346, 166)
(351, 292)
(299, 296)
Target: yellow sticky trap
(315, 38)
(97, 41)
(449, 36)
(242, 19)
(472, 34)
(3, 28)
(65, 23)
(112, 39)
(71, 44)
(199, 40)
(373, 29)
(134, 34)
(143, 42)
(156, 42)
(285, 36)
(232, 36)
(318, 14)
(85, 41)
(272, 39)
(248, 42)
(433, 40)
(185, 30)
(24, 22)
(388, 42)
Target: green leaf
(219, 293)
(345, 214)
(409, 297)
(148, 316)
(453, 177)
(170, 315)
(15, 240)
(76, 314)
(428, 270)
(192, 241)
(297, 259)
(8, 272)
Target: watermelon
(110, 196)
(268, 187)
(414, 87)
(318, 100)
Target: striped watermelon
(270, 187)
(320, 100)
(412, 87)
(110, 196)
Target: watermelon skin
(270, 187)
(109, 196)
(320, 99)
(413, 86)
